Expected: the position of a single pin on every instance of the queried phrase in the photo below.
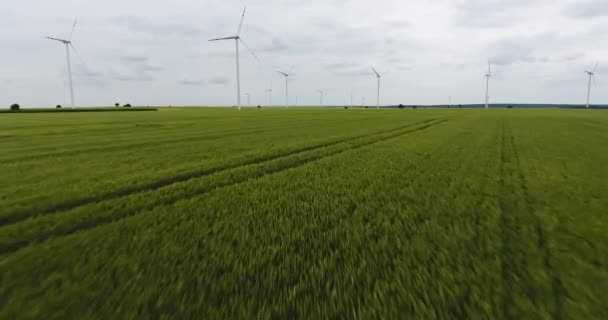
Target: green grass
(309, 214)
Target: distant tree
(415, 107)
(117, 104)
(345, 107)
(401, 106)
(58, 106)
(366, 107)
(259, 107)
(510, 107)
(15, 107)
(127, 105)
(459, 106)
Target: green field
(307, 214)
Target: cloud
(587, 9)
(512, 50)
(189, 82)
(348, 69)
(135, 68)
(218, 80)
(490, 13)
(277, 45)
(156, 28)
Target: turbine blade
(595, 68)
(77, 54)
(56, 39)
(376, 72)
(283, 73)
(225, 38)
(238, 33)
(251, 51)
(73, 27)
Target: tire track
(149, 141)
(505, 226)
(559, 291)
(16, 217)
(255, 171)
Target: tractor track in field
(506, 230)
(559, 291)
(514, 265)
(191, 137)
(276, 168)
(166, 181)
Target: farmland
(308, 214)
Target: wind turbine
(488, 76)
(68, 44)
(270, 94)
(321, 93)
(378, 75)
(591, 75)
(236, 39)
(248, 98)
(286, 88)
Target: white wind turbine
(488, 76)
(591, 75)
(68, 44)
(236, 39)
(286, 88)
(248, 98)
(270, 94)
(378, 75)
(321, 93)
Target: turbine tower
(68, 44)
(237, 39)
(321, 93)
(378, 75)
(286, 88)
(591, 76)
(270, 93)
(269, 96)
(488, 76)
(248, 98)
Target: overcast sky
(156, 52)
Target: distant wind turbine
(270, 93)
(269, 96)
(248, 98)
(591, 75)
(378, 75)
(286, 88)
(488, 76)
(68, 44)
(321, 93)
(236, 39)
